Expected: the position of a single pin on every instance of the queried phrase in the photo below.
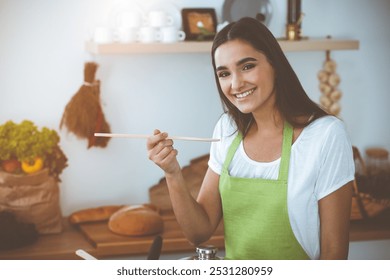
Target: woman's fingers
(169, 156)
(167, 160)
(158, 146)
(161, 152)
(163, 148)
(155, 139)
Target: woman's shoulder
(325, 125)
(225, 119)
(323, 131)
(226, 126)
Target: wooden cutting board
(193, 175)
(106, 241)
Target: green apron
(255, 214)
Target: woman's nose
(237, 82)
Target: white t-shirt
(321, 162)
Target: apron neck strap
(231, 152)
(286, 151)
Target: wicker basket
(364, 206)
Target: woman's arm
(198, 219)
(335, 213)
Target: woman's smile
(244, 94)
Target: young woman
(280, 177)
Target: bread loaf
(97, 214)
(137, 220)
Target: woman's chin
(245, 110)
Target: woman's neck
(268, 121)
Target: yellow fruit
(34, 166)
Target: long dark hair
(291, 99)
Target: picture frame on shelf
(199, 24)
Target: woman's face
(245, 76)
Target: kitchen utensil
(159, 18)
(170, 34)
(127, 35)
(184, 138)
(130, 19)
(207, 252)
(293, 11)
(154, 251)
(155, 248)
(81, 253)
(169, 8)
(148, 34)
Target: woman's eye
(248, 66)
(223, 74)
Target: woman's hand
(161, 152)
(198, 220)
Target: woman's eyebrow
(240, 62)
(219, 68)
(245, 60)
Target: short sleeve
(336, 160)
(225, 131)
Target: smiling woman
(281, 160)
(267, 112)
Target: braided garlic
(329, 81)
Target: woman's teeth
(244, 94)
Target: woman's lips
(244, 94)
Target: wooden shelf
(324, 44)
(140, 48)
(205, 47)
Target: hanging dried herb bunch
(83, 115)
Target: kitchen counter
(63, 246)
(96, 239)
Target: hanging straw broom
(83, 114)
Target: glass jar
(377, 161)
(360, 172)
(378, 171)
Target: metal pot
(207, 252)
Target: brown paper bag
(36, 203)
